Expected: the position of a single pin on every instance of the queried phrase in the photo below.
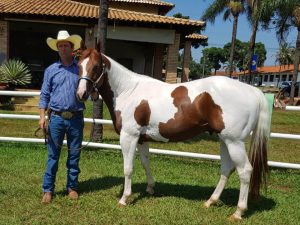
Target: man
(58, 96)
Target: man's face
(64, 49)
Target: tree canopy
(215, 58)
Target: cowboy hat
(63, 35)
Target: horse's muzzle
(82, 97)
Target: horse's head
(91, 73)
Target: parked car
(287, 90)
(284, 84)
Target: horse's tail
(258, 149)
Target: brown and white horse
(144, 109)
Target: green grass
(182, 185)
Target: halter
(94, 83)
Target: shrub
(15, 72)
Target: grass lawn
(182, 185)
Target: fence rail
(112, 146)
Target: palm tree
(97, 129)
(284, 15)
(285, 54)
(252, 6)
(230, 8)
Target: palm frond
(216, 8)
(227, 15)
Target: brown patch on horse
(192, 118)
(142, 113)
(118, 121)
(108, 97)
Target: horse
(145, 109)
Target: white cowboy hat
(63, 35)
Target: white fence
(118, 147)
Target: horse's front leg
(128, 145)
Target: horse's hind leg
(227, 167)
(128, 145)
(240, 159)
(144, 155)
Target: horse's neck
(121, 79)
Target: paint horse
(145, 109)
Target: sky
(220, 32)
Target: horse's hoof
(206, 204)
(120, 205)
(235, 217)
(150, 191)
(209, 202)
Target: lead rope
(47, 135)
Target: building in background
(140, 36)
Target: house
(265, 75)
(140, 35)
(274, 75)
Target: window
(283, 78)
(290, 77)
(271, 78)
(266, 78)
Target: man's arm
(42, 121)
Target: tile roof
(70, 8)
(276, 69)
(196, 37)
(150, 2)
(147, 17)
(262, 70)
(273, 69)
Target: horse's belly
(166, 132)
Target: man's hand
(42, 121)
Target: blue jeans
(58, 127)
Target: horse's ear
(98, 47)
(82, 45)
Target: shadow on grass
(229, 197)
(102, 183)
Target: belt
(67, 114)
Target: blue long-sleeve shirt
(59, 88)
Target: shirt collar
(74, 63)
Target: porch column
(90, 37)
(186, 61)
(172, 60)
(158, 61)
(3, 40)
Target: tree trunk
(296, 65)
(251, 50)
(97, 129)
(234, 32)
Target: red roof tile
(76, 9)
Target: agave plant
(15, 72)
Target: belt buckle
(67, 115)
